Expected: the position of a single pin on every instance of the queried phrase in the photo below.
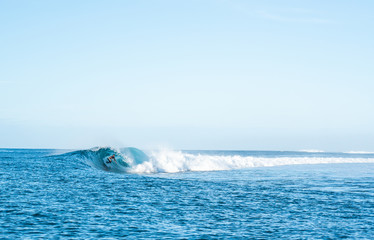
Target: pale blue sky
(207, 74)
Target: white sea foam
(6, 150)
(177, 161)
(311, 151)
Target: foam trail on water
(177, 161)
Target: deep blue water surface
(44, 195)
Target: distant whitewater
(133, 160)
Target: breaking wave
(98, 158)
(133, 160)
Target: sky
(197, 74)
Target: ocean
(168, 194)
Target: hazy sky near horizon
(207, 74)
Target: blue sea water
(55, 194)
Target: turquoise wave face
(135, 155)
(98, 158)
